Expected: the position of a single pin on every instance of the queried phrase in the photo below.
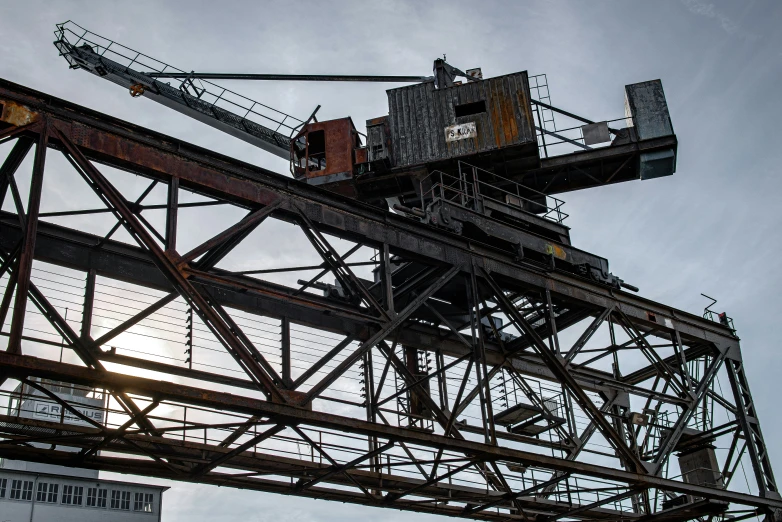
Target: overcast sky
(713, 227)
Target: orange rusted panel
(330, 149)
(557, 251)
(17, 114)
(361, 155)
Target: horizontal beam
(20, 366)
(445, 498)
(76, 250)
(289, 77)
(129, 147)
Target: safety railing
(571, 139)
(553, 141)
(70, 35)
(472, 186)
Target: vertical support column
(285, 344)
(388, 287)
(441, 381)
(479, 355)
(567, 403)
(615, 364)
(171, 214)
(28, 242)
(89, 298)
(369, 394)
(554, 344)
(416, 405)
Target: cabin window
(317, 150)
(468, 109)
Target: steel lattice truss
(447, 377)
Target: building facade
(27, 496)
(33, 492)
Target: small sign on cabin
(461, 131)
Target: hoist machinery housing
(488, 123)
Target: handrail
(465, 191)
(125, 56)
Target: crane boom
(503, 125)
(241, 117)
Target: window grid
(143, 502)
(3, 484)
(47, 492)
(96, 497)
(22, 490)
(120, 500)
(72, 495)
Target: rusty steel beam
(433, 299)
(22, 366)
(25, 263)
(269, 465)
(167, 264)
(123, 145)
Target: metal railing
(551, 140)
(571, 139)
(71, 35)
(468, 190)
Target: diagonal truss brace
(631, 460)
(167, 264)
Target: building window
(72, 495)
(3, 484)
(143, 502)
(22, 490)
(96, 497)
(47, 492)
(120, 500)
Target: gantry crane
(504, 373)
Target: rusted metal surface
(21, 365)
(17, 114)
(328, 153)
(123, 145)
(434, 288)
(498, 107)
(26, 254)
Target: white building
(32, 492)
(27, 496)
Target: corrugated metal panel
(419, 115)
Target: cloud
(728, 24)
